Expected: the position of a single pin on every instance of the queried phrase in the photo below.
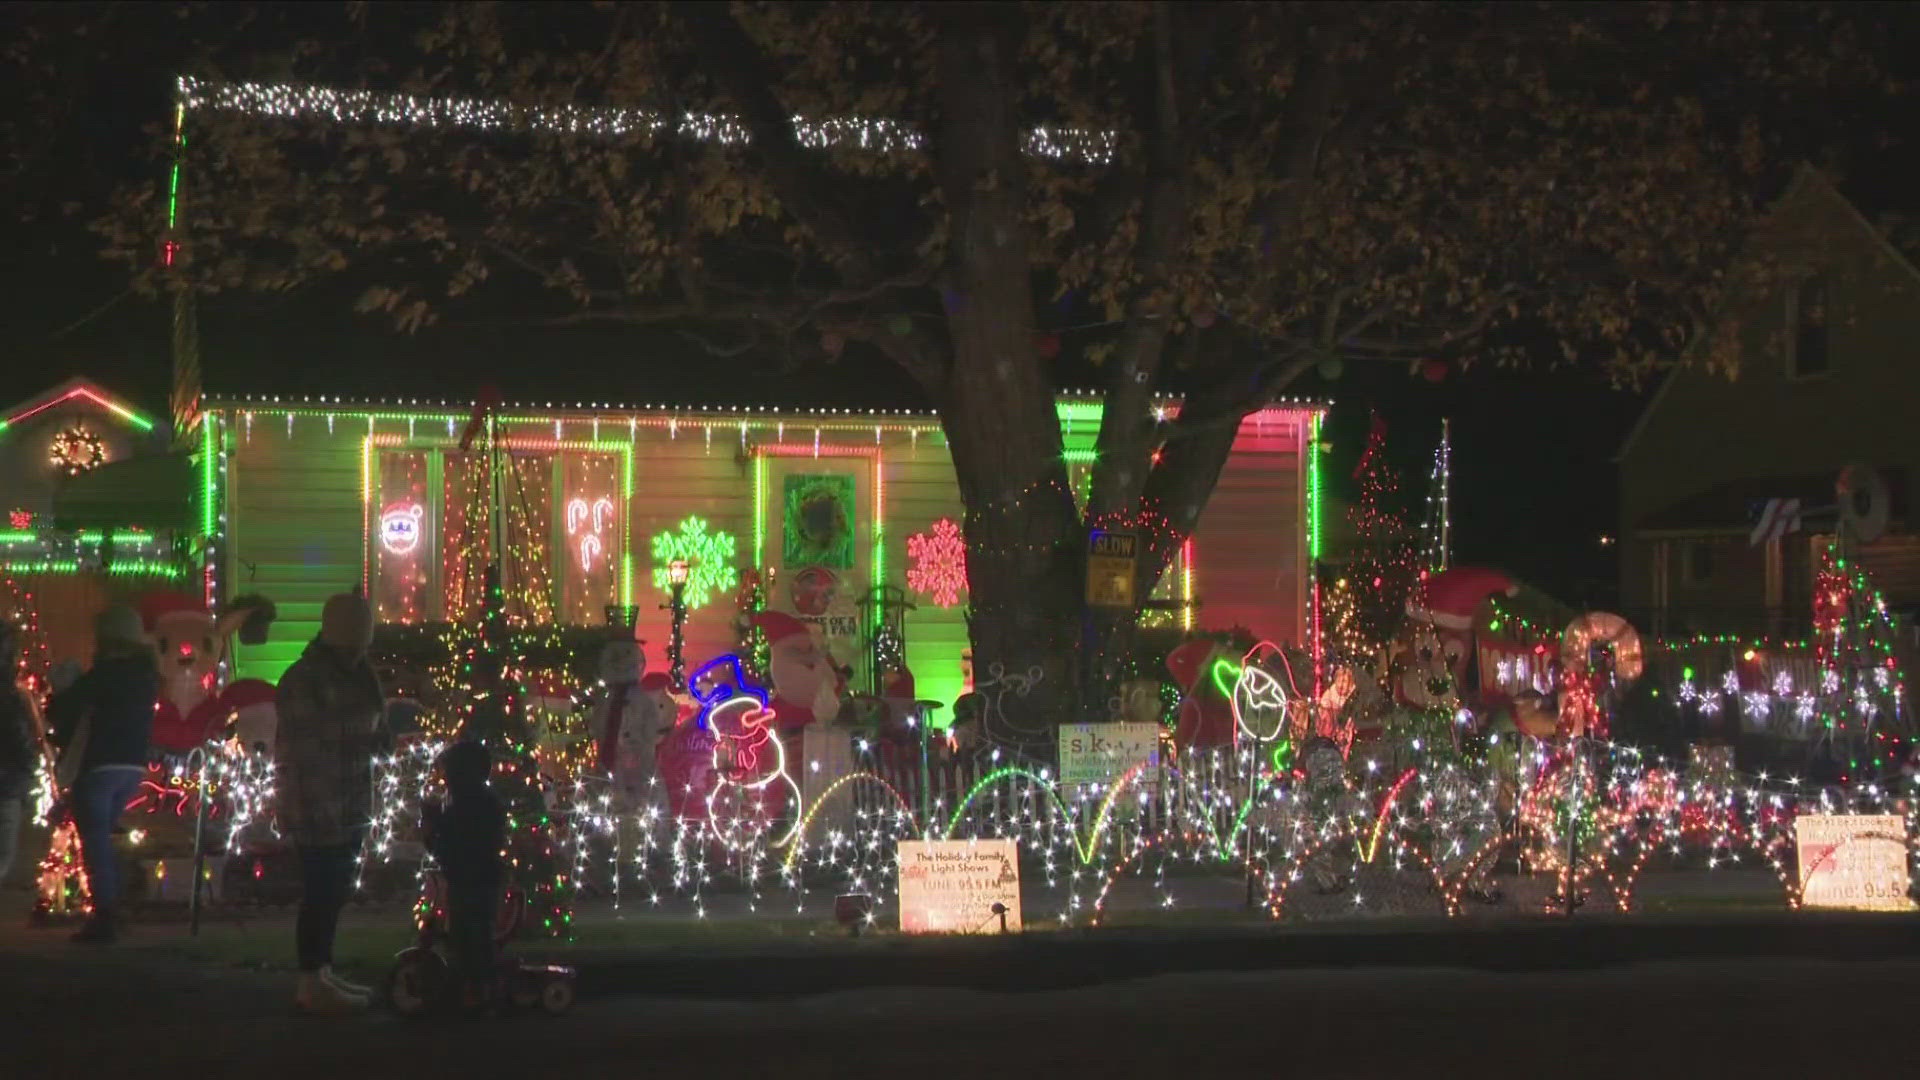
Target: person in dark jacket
(19, 748)
(466, 836)
(331, 726)
(115, 701)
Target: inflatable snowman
(628, 723)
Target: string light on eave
(863, 134)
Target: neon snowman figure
(400, 527)
(748, 755)
(587, 522)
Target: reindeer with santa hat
(191, 644)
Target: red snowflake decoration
(20, 519)
(939, 569)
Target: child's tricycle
(424, 982)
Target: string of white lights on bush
(371, 107)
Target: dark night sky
(1534, 484)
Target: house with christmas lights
(1728, 481)
(603, 507)
(92, 498)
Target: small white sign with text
(951, 886)
(1854, 861)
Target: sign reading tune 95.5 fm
(951, 886)
(1856, 861)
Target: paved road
(125, 1014)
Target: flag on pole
(1777, 518)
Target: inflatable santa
(191, 643)
(1206, 713)
(806, 685)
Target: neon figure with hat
(747, 754)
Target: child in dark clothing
(466, 835)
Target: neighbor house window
(1809, 353)
(1697, 563)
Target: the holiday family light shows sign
(951, 886)
(1854, 861)
(1103, 753)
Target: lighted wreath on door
(818, 530)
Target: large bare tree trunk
(1023, 534)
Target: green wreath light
(709, 555)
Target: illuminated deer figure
(190, 644)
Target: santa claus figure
(191, 643)
(806, 685)
(628, 723)
(1206, 713)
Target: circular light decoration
(1610, 631)
(400, 527)
(709, 557)
(939, 569)
(77, 450)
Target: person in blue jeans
(19, 748)
(115, 700)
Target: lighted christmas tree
(749, 640)
(1862, 687)
(1386, 562)
(492, 696)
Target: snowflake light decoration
(939, 568)
(709, 556)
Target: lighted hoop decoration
(77, 450)
(1603, 628)
(1259, 699)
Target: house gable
(1740, 411)
(92, 427)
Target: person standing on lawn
(106, 716)
(19, 748)
(466, 837)
(331, 726)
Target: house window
(430, 535)
(1697, 563)
(404, 546)
(1809, 354)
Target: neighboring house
(1825, 372)
(88, 515)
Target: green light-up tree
(1215, 199)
